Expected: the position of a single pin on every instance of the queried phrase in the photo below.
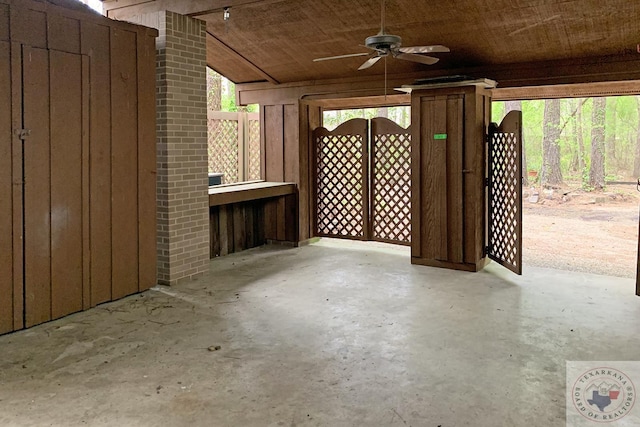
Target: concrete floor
(332, 334)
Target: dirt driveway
(594, 232)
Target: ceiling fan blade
(350, 55)
(369, 62)
(424, 49)
(429, 60)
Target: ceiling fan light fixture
(384, 45)
(383, 42)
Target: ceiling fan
(384, 45)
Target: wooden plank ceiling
(277, 40)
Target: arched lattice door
(341, 190)
(505, 192)
(390, 182)
(362, 181)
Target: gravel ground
(588, 232)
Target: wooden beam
(362, 102)
(287, 93)
(578, 90)
(221, 5)
(117, 4)
(213, 39)
(120, 9)
(588, 71)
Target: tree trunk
(636, 161)
(610, 151)
(214, 90)
(580, 136)
(627, 161)
(551, 173)
(383, 112)
(575, 158)
(517, 106)
(596, 171)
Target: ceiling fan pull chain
(385, 79)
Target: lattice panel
(223, 148)
(505, 199)
(391, 189)
(254, 150)
(341, 204)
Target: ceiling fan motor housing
(383, 42)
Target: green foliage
(333, 118)
(621, 133)
(229, 104)
(219, 87)
(497, 112)
(621, 116)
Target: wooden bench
(250, 214)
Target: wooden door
(505, 192)
(390, 182)
(55, 176)
(448, 140)
(341, 190)
(438, 193)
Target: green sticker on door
(439, 136)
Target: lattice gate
(341, 190)
(390, 182)
(363, 182)
(505, 192)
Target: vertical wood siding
(85, 88)
(6, 205)
(283, 159)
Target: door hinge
(486, 182)
(23, 133)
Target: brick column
(183, 201)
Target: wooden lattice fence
(234, 145)
(254, 147)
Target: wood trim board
(235, 193)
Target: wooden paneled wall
(285, 158)
(280, 154)
(7, 238)
(310, 118)
(77, 195)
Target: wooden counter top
(234, 193)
